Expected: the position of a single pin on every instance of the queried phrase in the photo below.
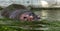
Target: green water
(49, 22)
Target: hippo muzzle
(29, 16)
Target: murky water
(50, 15)
(47, 14)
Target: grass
(14, 25)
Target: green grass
(14, 25)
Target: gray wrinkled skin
(16, 11)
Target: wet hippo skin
(19, 12)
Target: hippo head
(29, 16)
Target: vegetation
(14, 25)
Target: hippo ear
(31, 14)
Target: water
(53, 18)
(49, 14)
(51, 21)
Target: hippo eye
(25, 17)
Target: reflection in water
(44, 14)
(53, 15)
(49, 14)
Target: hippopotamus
(19, 12)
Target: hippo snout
(29, 16)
